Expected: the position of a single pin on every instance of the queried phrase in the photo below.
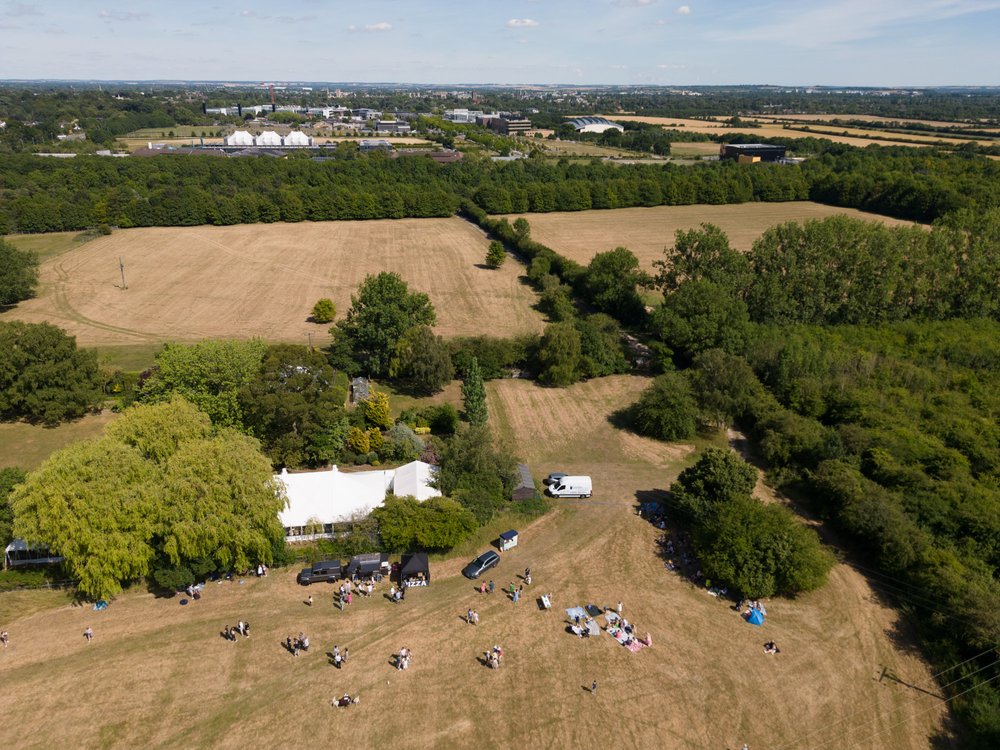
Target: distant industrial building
(462, 115)
(594, 125)
(750, 153)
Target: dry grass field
(158, 674)
(771, 129)
(647, 231)
(262, 280)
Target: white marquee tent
(330, 496)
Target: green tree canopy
(116, 505)
(9, 477)
(209, 374)
(612, 282)
(718, 477)
(380, 313)
(423, 360)
(295, 406)
(476, 472)
(43, 376)
(703, 254)
(495, 254)
(437, 524)
(376, 409)
(700, 315)
(18, 274)
(559, 354)
(666, 410)
(474, 394)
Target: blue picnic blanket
(574, 612)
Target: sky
(666, 42)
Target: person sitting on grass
(771, 648)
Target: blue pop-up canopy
(755, 617)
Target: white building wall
(239, 138)
(268, 138)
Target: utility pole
(121, 267)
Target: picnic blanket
(612, 617)
(574, 612)
(593, 610)
(546, 602)
(593, 627)
(634, 646)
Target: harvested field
(158, 674)
(769, 129)
(647, 231)
(188, 283)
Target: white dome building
(239, 138)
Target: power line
(879, 715)
(798, 740)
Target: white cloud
(380, 26)
(122, 15)
(684, 10)
(634, 3)
(522, 23)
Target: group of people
(494, 657)
(403, 658)
(340, 657)
(294, 645)
(748, 607)
(472, 617)
(261, 570)
(396, 595)
(486, 588)
(240, 628)
(771, 648)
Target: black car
(481, 564)
(554, 477)
(328, 570)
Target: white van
(571, 487)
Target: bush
(444, 420)
(324, 311)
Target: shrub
(324, 311)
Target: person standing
(619, 609)
(593, 687)
(309, 601)
(88, 634)
(4, 637)
(491, 585)
(347, 652)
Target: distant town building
(594, 125)
(510, 125)
(374, 144)
(749, 153)
(366, 114)
(392, 126)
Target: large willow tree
(162, 486)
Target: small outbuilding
(508, 540)
(525, 489)
(414, 570)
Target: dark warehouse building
(751, 152)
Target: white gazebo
(323, 498)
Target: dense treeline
(885, 427)
(835, 270)
(42, 195)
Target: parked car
(554, 477)
(328, 570)
(481, 564)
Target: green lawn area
(128, 357)
(27, 446)
(50, 244)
